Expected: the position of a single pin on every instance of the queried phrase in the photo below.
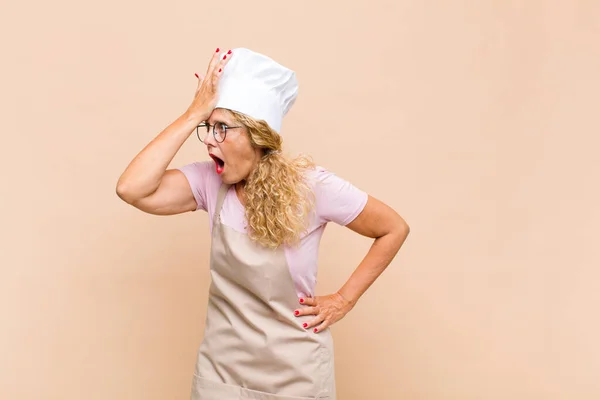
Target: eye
(221, 129)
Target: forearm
(144, 173)
(380, 255)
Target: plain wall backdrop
(475, 120)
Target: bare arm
(378, 221)
(389, 230)
(146, 183)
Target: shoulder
(326, 182)
(201, 174)
(336, 198)
(319, 176)
(200, 168)
(203, 180)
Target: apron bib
(253, 346)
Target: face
(235, 157)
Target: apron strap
(220, 200)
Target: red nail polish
(217, 50)
(305, 324)
(296, 312)
(301, 300)
(315, 330)
(197, 76)
(220, 69)
(225, 56)
(229, 52)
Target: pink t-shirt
(336, 200)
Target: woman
(266, 334)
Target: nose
(209, 139)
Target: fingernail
(305, 324)
(220, 69)
(217, 50)
(197, 76)
(315, 330)
(229, 52)
(301, 300)
(296, 312)
(225, 56)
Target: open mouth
(219, 164)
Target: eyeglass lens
(219, 131)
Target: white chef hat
(255, 85)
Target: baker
(266, 335)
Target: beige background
(475, 120)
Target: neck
(239, 191)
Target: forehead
(221, 114)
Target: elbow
(405, 228)
(121, 191)
(401, 231)
(125, 192)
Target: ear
(259, 151)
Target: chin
(228, 180)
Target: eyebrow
(218, 120)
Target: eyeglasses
(219, 131)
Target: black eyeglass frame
(214, 130)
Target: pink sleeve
(201, 178)
(337, 200)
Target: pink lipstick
(219, 164)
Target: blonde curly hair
(279, 198)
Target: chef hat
(256, 85)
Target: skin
(377, 221)
(236, 151)
(148, 185)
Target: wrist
(346, 298)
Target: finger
(314, 322)
(306, 311)
(322, 327)
(308, 301)
(213, 61)
(220, 67)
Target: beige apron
(253, 346)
